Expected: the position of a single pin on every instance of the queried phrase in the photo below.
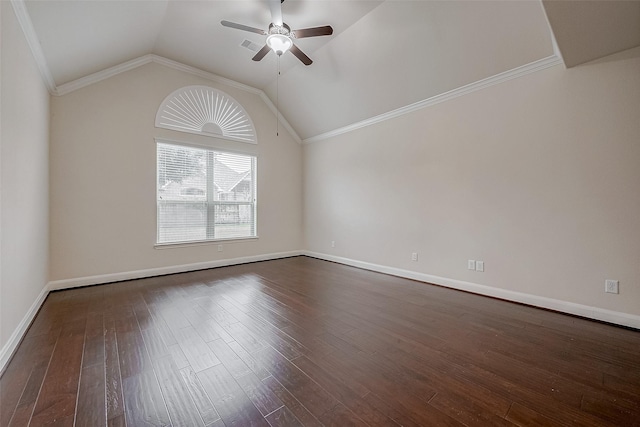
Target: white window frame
(210, 202)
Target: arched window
(206, 111)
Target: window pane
(182, 173)
(233, 220)
(181, 222)
(204, 194)
(233, 177)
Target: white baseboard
(618, 318)
(7, 351)
(596, 313)
(14, 341)
(160, 271)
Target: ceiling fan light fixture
(279, 43)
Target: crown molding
(146, 59)
(22, 14)
(29, 32)
(34, 44)
(102, 75)
(552, 34)
(532, 67)
(204, 74)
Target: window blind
(204, 194)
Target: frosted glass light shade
(279, 43)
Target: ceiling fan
(280, 36)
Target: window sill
(177, 245)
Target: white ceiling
(383, 55)
(588, 30)
(80, 37)
(406, 51)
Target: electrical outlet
(219, 248)
(611, 286)
(471, 264)
(414, 256)
(479, 265)
(333, 243)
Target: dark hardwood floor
(306, 342)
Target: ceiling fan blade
(261, 53)
(300, 55)
(313, 32)
(276, 12)
(243, 27)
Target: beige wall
(103, 177)
(539, 177)
(24, 169)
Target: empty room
(319, 212)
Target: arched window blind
(205, 111)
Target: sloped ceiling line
(541, 64)
(24, 20)
(34, 44)
(29, 31)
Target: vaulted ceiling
(383, 55)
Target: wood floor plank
(522, 416)
(21, 381)
(465, 409)
(132, 353)
(339, 415)
(283, 417)
(260, 395)
(200, 398)
(308, 392)
(616, 411)
(156, 347)
(166, 333)
(300, 341)
(291, 403)
(243, 336)
(230, 401)
(178, 356)
(349, 398)
(174, 317)
(234, 364)
(91, 409)
(181, 407)
(144, 405)
(57, 397)
(118, 421)
(94, 340)
(24, 409)
(196, 351)
(210, 330)
(256, 366)
(113, 379)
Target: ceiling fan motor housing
(285, 30)
(279, 39)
